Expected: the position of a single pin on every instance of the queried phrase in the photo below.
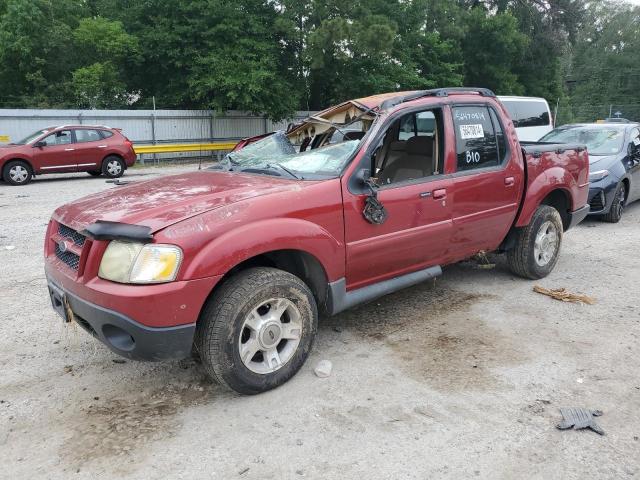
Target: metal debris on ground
(579, 418)
(563, 295)
(482, 261)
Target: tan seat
(415, 162)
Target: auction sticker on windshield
(471, 131)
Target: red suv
(97, 150)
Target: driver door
(57, 154)
(416, 233)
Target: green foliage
(602, 69)
(492, 47)
(274, 57)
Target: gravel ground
(457, 378)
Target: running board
(339, 299)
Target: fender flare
(556, 178)
(14, 158)
(235, 246)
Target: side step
(339, 299)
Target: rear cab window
(480, 139)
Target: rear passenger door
(89, 149)
(487, 182)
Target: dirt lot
(457, 378)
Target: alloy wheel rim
(546, 243)
(270, 335)
(18, 173)
(113, 167)
(620, 203)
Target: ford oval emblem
(62, 245)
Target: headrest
(420, 146)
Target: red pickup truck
(360, 200)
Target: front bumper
(601, 196)
(121, 334)
(577, 216)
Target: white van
(531, 116)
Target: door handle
(439, 194)
(69, 149)
(509, 181)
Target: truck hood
(164, 201)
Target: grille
(597, 202)
(70, 233)
(69, 258)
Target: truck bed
(536, 148)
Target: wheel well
(301, 264)
(627, 186)
(17, 160)
(559, 200)
(113, 155)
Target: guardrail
(184, 147)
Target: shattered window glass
(278, 150)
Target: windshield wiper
(284, 169)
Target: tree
(492, 46)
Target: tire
(95, 173)
(113, 167)
(537, 245)
(617, 206)
(17, 172)
(238, 322)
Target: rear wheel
(537, 245)
(617, 206)
(257, 329)
(17, 172)
(113, 167)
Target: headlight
(599, 175)
(127, 262)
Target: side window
(421, 124)
(62, 137)
(407, 127)
(83, 136)
(416, 152)
(476, 145)
(500, 136)
(106, 133)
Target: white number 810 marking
(473, 157)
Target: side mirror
(363, 176)
(39, 144)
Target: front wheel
(617, 206)
(113, 167)
(537, 245)
(257, 330)
(17, 172)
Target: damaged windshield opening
(318, 147)
(276, 155)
